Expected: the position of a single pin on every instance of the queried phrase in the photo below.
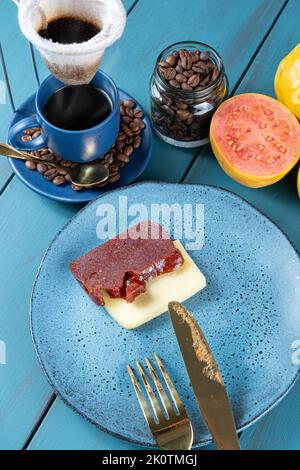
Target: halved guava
(255, 139)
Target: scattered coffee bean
(114, 178)
(123, 158)
(30, 165)
(128, 150)
(41, 168)
(129, 139)
(129, 104)
(59, 180)
(26, 138)
(51, 174)
(137, 141)
(36, 134)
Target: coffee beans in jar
(187, 86)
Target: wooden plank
(247, 28)
(24, 391)
(17, 59)
(281, 428)
(86, 437)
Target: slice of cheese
(178, 285)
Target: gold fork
(171, 429)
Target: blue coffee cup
(77, 146)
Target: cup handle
(16, 133)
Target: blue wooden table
(252, 37)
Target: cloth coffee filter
(73, 64)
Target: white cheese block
(178, 285)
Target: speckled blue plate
(250, 313)
(129, 173)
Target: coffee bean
(26, 138)
(114, 178)
(163, 64)
(138, 113)
(187, 63)
(171, 60)
(59, 180)
(49, 157)
(180, 78)
(183, 114)
(66, 163)
(186, 87)
(123, 158)
(30, 165)
(137, 141)
(179, 69)
(62, 172)
(127, 130)
(43, 151)
(174, 83)
(183, 53)
(205, 55)
(129, 104)
(51, 174)
(36, 134)
(128, 150)
(41, 168)
(188, 73)
(169, 74)
(77, 188)
(214, 74)
(129, 112)
(134, 126)
(126, 119)
(194, 81)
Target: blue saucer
(249, 312)
(129, 173)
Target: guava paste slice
(123, 266)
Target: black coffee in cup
(78, 107)
(68, 30)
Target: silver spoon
(85, 174)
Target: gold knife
(205, 378)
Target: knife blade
(205, 378)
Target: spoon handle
(10, 152)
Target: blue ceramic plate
(249, 313)
(129, 173)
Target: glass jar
(179, 117)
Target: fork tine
(153, 400)
(163, 396)
(171, 387)
(145, 409)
